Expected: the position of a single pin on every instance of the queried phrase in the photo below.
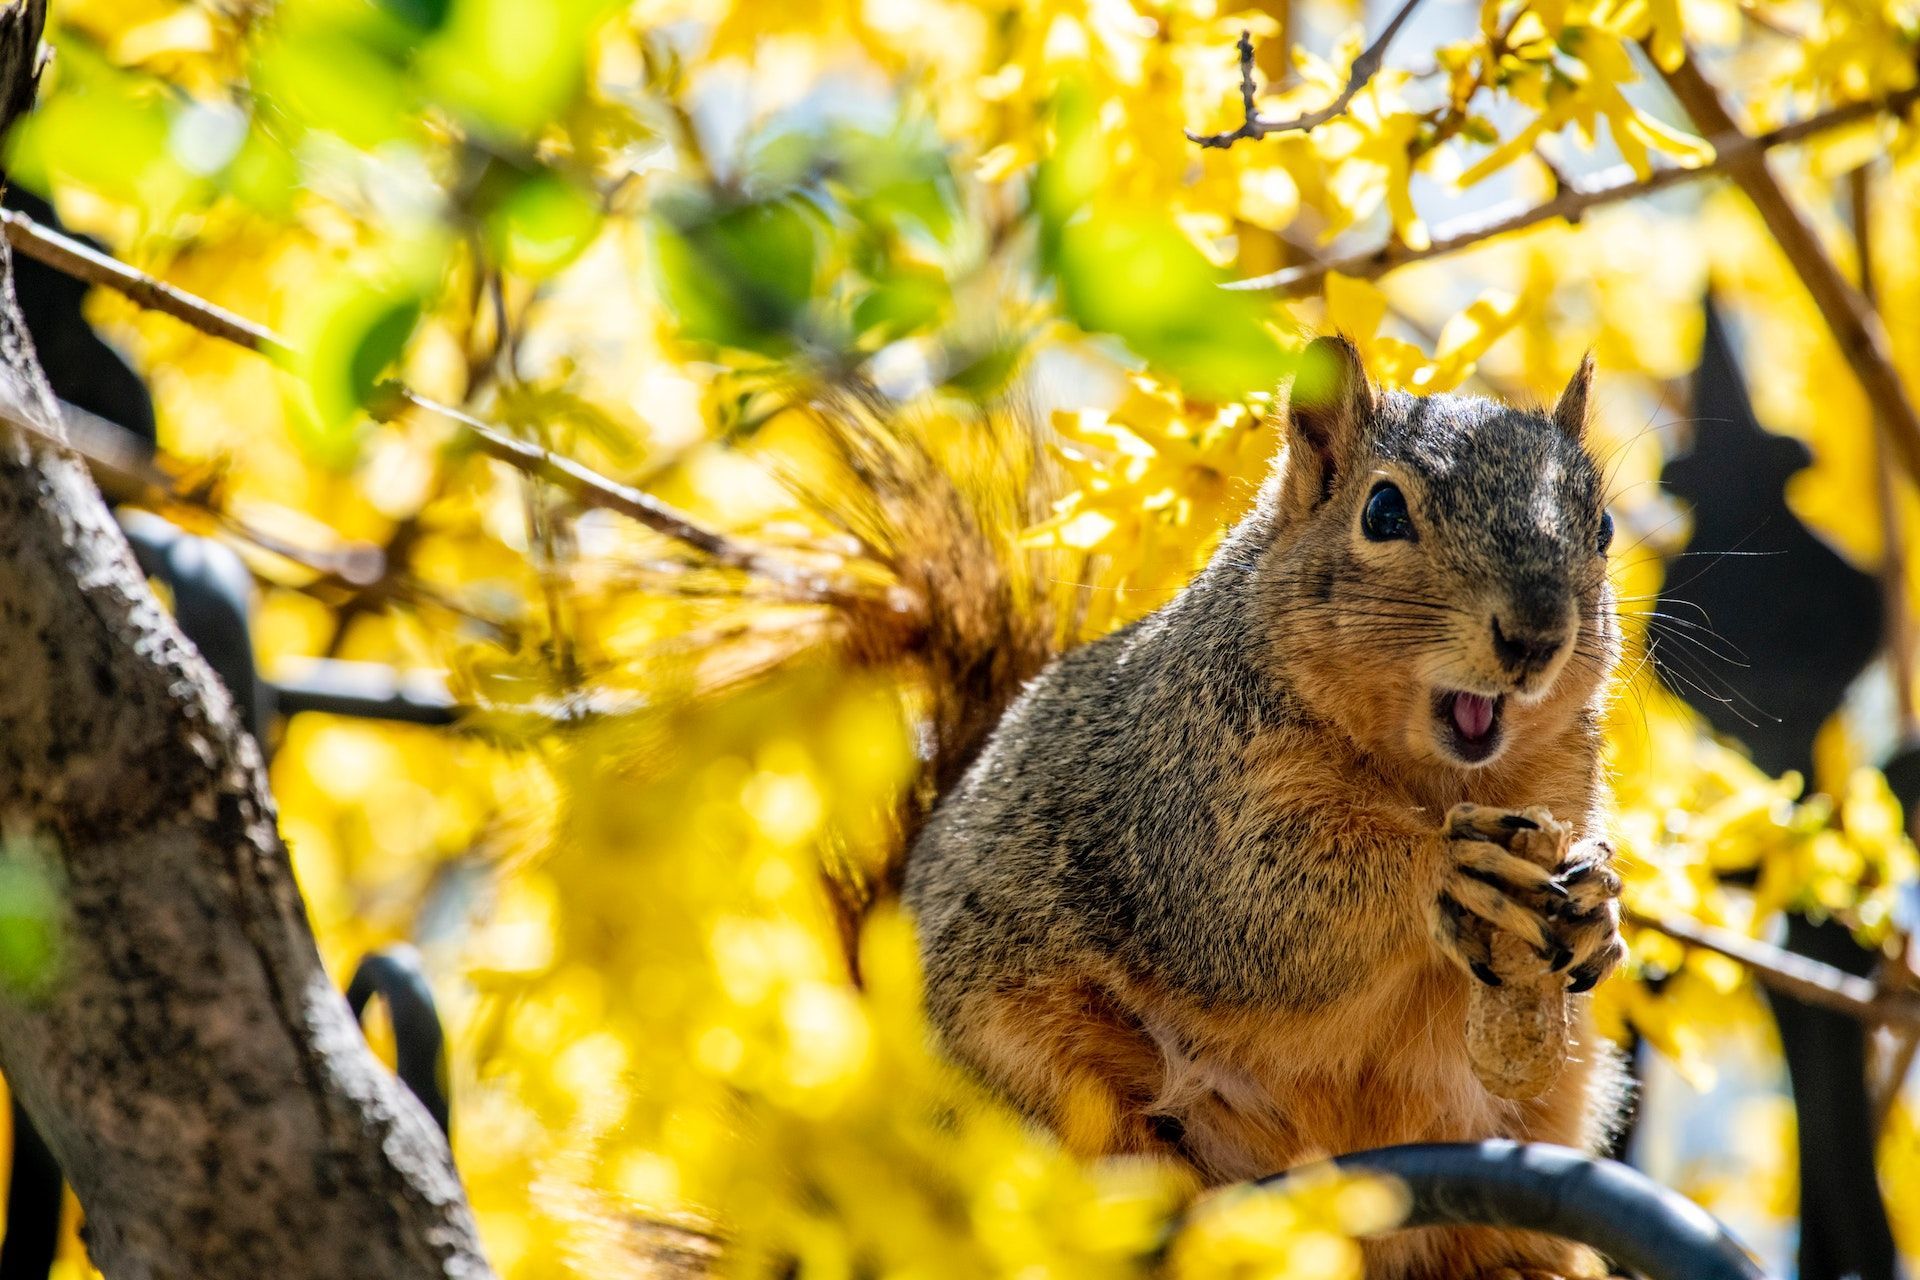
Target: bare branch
(63, 253)
(126, 472)
(1855, 324)
(1363, 70)
(1896, 635)
(591, 489)
(1899, 1064)
(1615, 185)
(83, 262)
(1898, 973)
(1250, 125)
(1808, 981)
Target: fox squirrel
(1220, 885)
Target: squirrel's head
(1438, 563)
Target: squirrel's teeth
(1472, 715)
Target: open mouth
(1469, 724)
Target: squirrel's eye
(1385, 516)
(1606, 531)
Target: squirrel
(1219, 886)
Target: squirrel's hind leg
(1066, 1052)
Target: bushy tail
(936, 499)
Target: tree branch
(1614, 186)
(125, 470)
(1808, 981)
(84, 262)
(591, 489)
(1364, 69)
(581, 482)
(1855, 324)
(1897, 627)
(1901, 973)
(191, 1066)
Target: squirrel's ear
(1330, 402)
(1570, 413)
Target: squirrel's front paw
(1519, 872)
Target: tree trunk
(188, 1061)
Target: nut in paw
(1529, 914)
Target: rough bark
(190, 1064)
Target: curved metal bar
(1561, 1192)
(212, 601)
(395, 976)
(368, 690)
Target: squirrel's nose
(1524, 649)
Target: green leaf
(986, 373)
(423, 16)
(741, 277)
(108, 132)
(326, 80)
(264, 175)
(1138, 278)
(909, 300)
(541, 224)
(1074, 169)
(355, 337)
(508, 66)
(901, 179)
(378, 345)
(30, 918)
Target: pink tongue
(1472, 715)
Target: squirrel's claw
(1590, 883)
(1463, 939)
(1502, 911)
(1495, 866)
(1588, 975)
(1518, 873)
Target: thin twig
(118, 463)
(591, 489)
(1901, 973)
(1768, 23)
(1896, 635)
(548, 532)
(83, 262)
(1614, 185)
(1899, 1065)
(1250, 126)
(127, 473)
(1363, 70)
(1808, 981)
(1855, 324)
(584, 484)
